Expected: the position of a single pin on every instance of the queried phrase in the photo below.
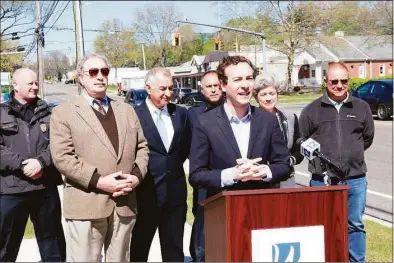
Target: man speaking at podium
(237, 146)
(344, 128)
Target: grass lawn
(112, 88)
(379, 238)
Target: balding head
(336, 66)
(337, 81)
(25, 85)
(21, 73)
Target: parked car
(379, 95)
(135, 97)
(179, 93)
(193, 99)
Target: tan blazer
(80, 147)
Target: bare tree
(155, 25)
(13, 15)
(293, 28)
(56, 64)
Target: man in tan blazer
(98, 145)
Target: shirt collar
(152, 108)
(335, 103)
(104, 101)
(235, 119)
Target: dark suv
(379, 95)
(135, 97)
(179, 93)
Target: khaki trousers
(85, 239)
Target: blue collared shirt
(90, 100)
(241, 130)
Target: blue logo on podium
(286, 252)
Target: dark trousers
(197, 239)
(44, 209)
(171, 223)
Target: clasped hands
(248, 169)
(32, 168)
(118, 183)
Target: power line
(33, 44)
(61, 13)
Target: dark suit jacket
(214, 148)
(193, 115)
(165, 181)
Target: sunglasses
(93, 72)
(336, 81)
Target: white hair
(153, 72)
(264, 81)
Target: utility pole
(78, 30)
(237, 30)
(143, 55)
(80, 50)
(40, 60)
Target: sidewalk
(28, 251)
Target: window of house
(361, 71)
(381, 70)
(313, 73)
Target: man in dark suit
(161, 198)
(213, 97)
(228, 139)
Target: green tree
(191, 44)
(117, 44)
(8, 61)
(209, 46)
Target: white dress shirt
(155, 112)
(241, 130)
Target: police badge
(43, 127)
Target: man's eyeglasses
(336, 81)
(93, 72)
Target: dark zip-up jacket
(343, 135)
(21, 140)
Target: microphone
(311, 149)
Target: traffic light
(235, 46)
(176, 39)
(221, 45)
(217, 41)
(15, 36)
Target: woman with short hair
(266, 93)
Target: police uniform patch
(43, 127)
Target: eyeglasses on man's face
(336, 81)
(93, 72)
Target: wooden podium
(230, 216)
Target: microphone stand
(328, 172)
